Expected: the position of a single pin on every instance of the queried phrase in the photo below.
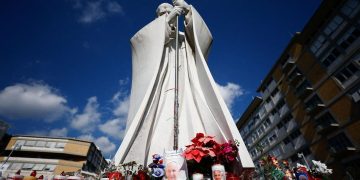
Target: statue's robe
(150, 124)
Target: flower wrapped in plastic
(321, 168)
(202, 146)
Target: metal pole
(176, 102)
(301, 155)
(8, 157)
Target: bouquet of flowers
(272, 168)
(202, 146)
(320, 169)
(227, 152)
(205, 151)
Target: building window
(356, 95)
(284, 121)
(251, 124)
(272, 138)
(345, 74)
(339, 142)
(16, 166)
(60, 145)
(287, 140)
(50, 167)
(39, 167)
(294, 74)
(280, 104)
(267, 123)
(30, 143)
(331, 57)
(27, 166)
(287, 118)
(261, 130)
(313, 102)
(275, 91)
(51, 144)
(253, 153)
(349, 37)
(262, 112)
(302, 87)
(276, 152)
(20, 142)
(349, 7)
(333, 25)
(295, 134)
(280, 125)
(316, 45)
(265, 143)
(325, 120)
(40, 144)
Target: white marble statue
(150, 124)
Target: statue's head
(163, 8)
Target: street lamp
(301, 155)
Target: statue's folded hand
(182, 4)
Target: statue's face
(163, 8)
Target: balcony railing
(290, 125)
(281, 133)
(315, 109)
(343, 152)
(277, 97)
(283, 110)
(288, 66)
(269, 106)
(274, 118)
(295, 79)
(288, 149)
(326, 127)
(299, 142)
(305, 92)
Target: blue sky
(65, 65)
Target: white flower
(321, 168)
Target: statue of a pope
(150, 124)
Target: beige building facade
(50, 156)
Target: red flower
(202, 146)
(228, 152)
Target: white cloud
(86, 137)
(102, 142)
(62, 132)
(37, 133)
(87, 121)
(58, 132)
(121, 101)
(114, 128)
(96, 10)
(114, 7)
(32, 101)
(230, 92)
(123, 82)
(105, 145)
